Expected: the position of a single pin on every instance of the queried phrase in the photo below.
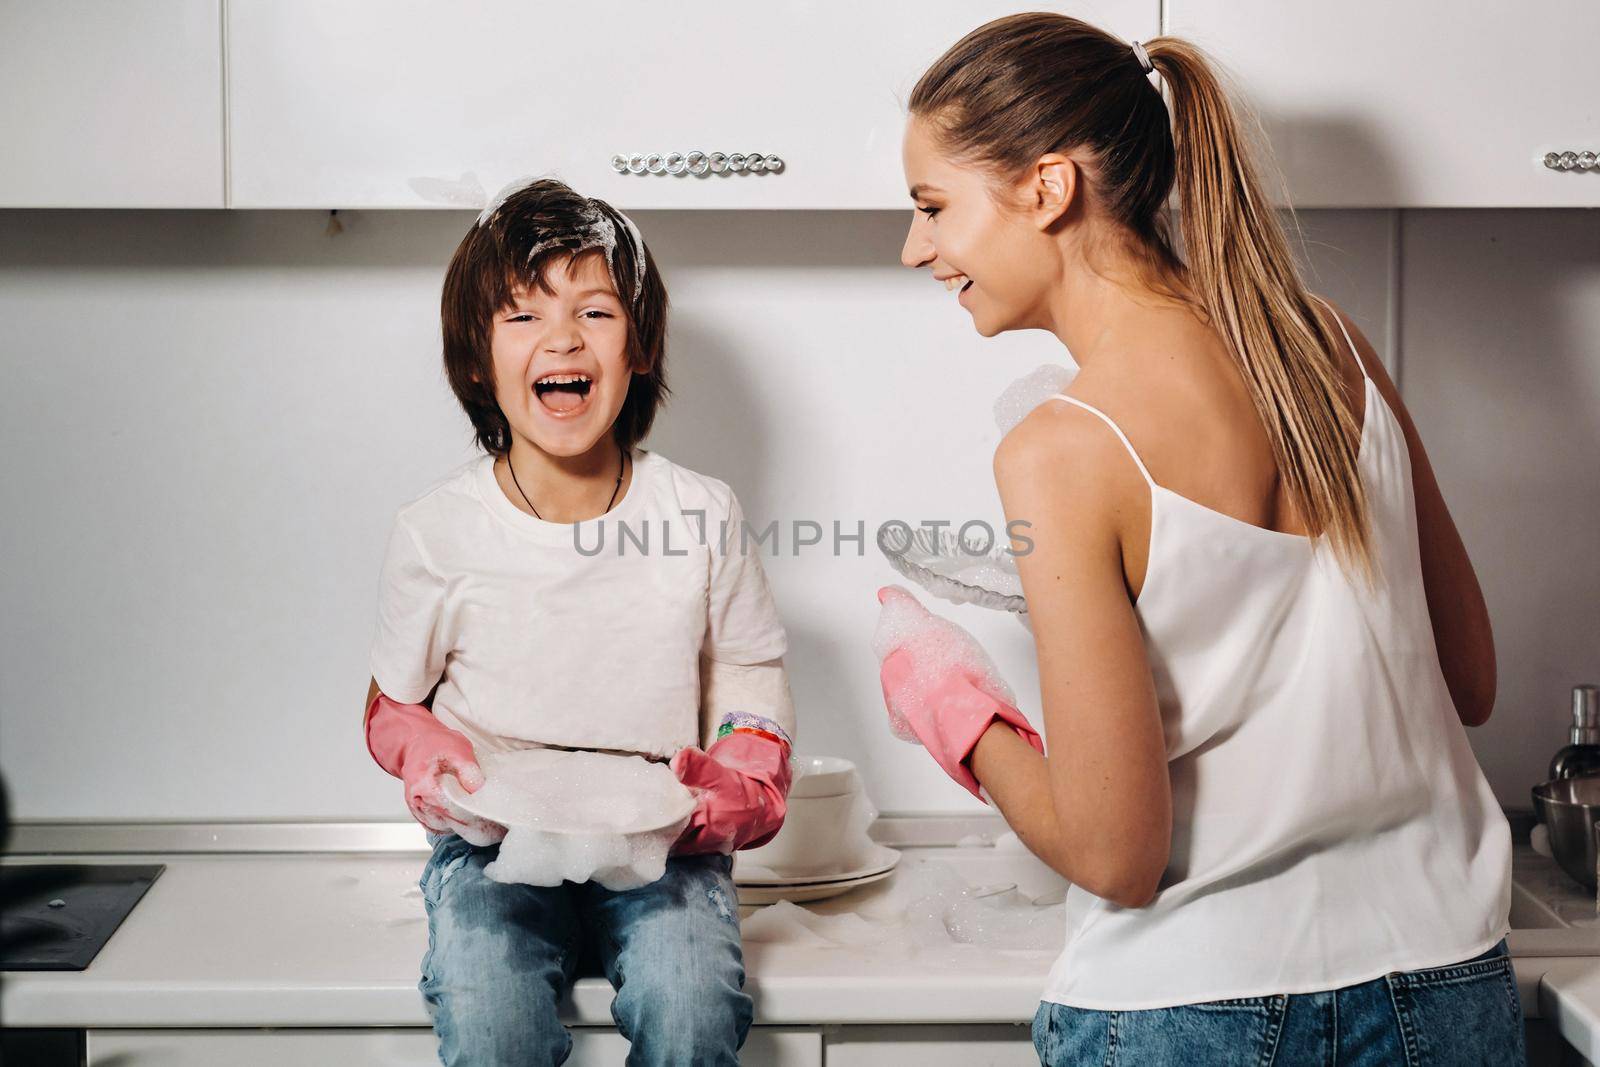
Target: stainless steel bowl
(1570, 807)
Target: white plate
(882, 863)
(512, 804)
(756, 895)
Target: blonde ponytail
(1240, 267)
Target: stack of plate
(768, 885)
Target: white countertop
(1569, 996)
(1568, 992)
(336, 939)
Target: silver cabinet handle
(1570, 160)
(696, 163)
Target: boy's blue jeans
(500, 957)
(1450, 1016)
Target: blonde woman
(1259, 636)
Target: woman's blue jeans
(500, 956)
(1463, 1013)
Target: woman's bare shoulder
(1064, 460)
(1057, 435)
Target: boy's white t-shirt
(578, 635)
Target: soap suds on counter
(928, 909)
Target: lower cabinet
(767, 1046)
(965, 1045)
(932, 1046)
(591, 1047)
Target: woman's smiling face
(998, 260)
(578, 335)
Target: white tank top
(1330, 822)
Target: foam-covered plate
(574, 792)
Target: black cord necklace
(621, 456)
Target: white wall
(209, 418)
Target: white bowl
(825, 830)
(825, 776)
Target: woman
(1258, 632)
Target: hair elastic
(1143, 57)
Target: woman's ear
(1052, 186)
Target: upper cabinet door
(111, 104)
(1371, 103)
(405, 103)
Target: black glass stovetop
(58, 916)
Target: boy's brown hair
(512, 250)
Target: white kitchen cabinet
(1369, 103)
(115, 105)
(407, 103)
(401, 1047)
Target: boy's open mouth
(563, 393)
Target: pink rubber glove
(408, 742)
(741, 784)
(940, 687)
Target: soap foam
(581, 816)
(937, 648)
(615, 861)
(595, 231)
(1028, 392)
(927, 910)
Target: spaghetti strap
(1114, 429)
(1353, 349)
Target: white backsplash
(210, 417)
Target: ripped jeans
(500, 957)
